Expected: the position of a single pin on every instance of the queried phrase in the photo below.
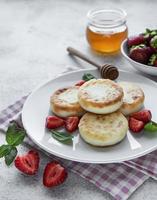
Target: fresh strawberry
(144, 115)
(71, 123)
(135, 125)
(81, 82)
(139, 54)
(53, 122)
(136, 40)
(54, 174)
(150, 51)
(28, 163)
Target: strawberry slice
(135, 125)
(53, 122)
(71, 124)
(144, 116)
(28, 163)
(54, 174)
(81, 82)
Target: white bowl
(139, 66)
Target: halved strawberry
(53, 122)
(135, 125)
(143, 115)
(54, 174)
(71, 123)
(81, 82)
(28, 163)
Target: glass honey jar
(106, 29)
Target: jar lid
(107, 18)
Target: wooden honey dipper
(107, 71)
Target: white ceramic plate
(36, 109)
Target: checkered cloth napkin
(120, 180)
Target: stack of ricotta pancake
(102, 105)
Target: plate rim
(63, 156)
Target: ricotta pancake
(64, 102)
(100, 96)
(133, 98)
(103, 130)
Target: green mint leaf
(151, 127)
(14, 135)
(60, 139)
(5, 150)
(62, 136)
(19, 138)
(87, 77)
(9, 158)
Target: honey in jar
(106, 30)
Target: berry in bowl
(141, 51)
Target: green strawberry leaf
(152, 59)
(15, 135)
(9, 158)
(149, 32)
(5, 150)
(153, 33)
(153, 42)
